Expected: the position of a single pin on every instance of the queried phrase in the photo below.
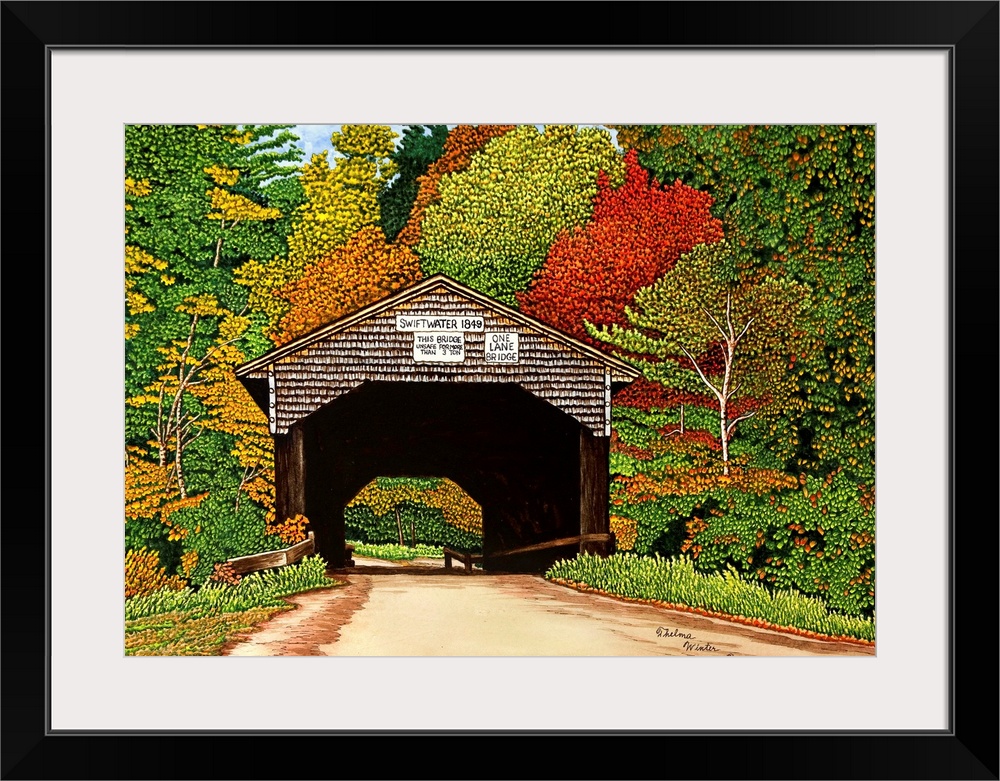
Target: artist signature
(691, 643)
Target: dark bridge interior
(514, 454)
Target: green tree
(709, 327)
(173, 172)
(200, 202)
(420, 146)
(340, 200)
(462, 144)
(798, 202)
(495, 220)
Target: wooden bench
(468, 559)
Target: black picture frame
(968, 749)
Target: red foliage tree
(648, 395)
(635, 236)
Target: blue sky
(316, 138)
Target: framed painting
(507, 347)
(515, 395)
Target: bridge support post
(289, 474)
(594, 490)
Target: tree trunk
(177, 465)
(728, 351)
(723, 426)
(218, 244)
(247, 474)
(399, 525)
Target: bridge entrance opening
(413, 519)
(518, 457)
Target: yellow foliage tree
(150, 493)
(230, 209)
(137, 263)
(231, 410)
(144, 575)
(147, 486)
(181, 373)
(459, 509)
(341, 199)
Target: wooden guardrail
(558, 543)
(468, 559)
(274, 558)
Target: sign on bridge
(442, 347)
(439, 323)
(501, 347)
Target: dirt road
(409, 614)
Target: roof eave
(417, 289)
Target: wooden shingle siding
(315, 370)
(539, 469)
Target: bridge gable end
(435, 331)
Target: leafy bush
(152, 535)
(259, 589)
(429, 524)
(816, 537)
(144, 575)
(625, 531)
(659, 524)
(217, 532)
(676, 581)
(383, 494)
(819, 539)
(291, 530)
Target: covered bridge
(440, 380)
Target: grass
(260, 589)
(186, 622)
(193, 632)
(392, 551)
(676, 583)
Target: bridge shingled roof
(624, 371)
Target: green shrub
(217, 532)
(429, 523)
(151, 534)
(259, 589)
(819, 539)
(678, 582)
(661, 523)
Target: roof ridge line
(414, 290)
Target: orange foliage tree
(364, 270)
